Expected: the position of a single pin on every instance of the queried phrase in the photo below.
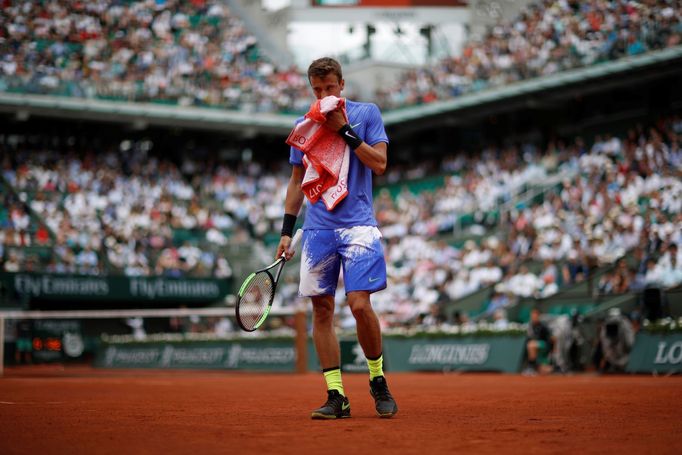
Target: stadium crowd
(200, 53)
(116, 211)
(612, 203)
(546, 37)
(624, 200)
(129, 210)
(189, 53)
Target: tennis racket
(258, 291)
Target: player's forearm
(373, 158)
(294, 198)
(293, 203)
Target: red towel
(326, 155)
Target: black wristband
(350, 136)
(288, 224)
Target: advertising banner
(36, 286)
(461, 353)
(495, 353)
(656, 353)
(226, 355)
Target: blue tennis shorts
(357, 249)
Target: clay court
(52, 410)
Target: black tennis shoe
(383, 400)
(336, 407)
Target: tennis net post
(2, 345)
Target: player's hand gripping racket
(258, 291)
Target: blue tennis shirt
(356, 209)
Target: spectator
(670, 273)
(12, 264)
(668, 269)
(498, 301)
(435, 316)
(222, 326)
(87, 262)
(539, 343)
(574, 270)
(500, 321)
(222, 268)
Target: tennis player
(345, 237)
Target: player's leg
(369, 337)
(367, 323)
(324, 335)
(365, 272)
(319, 275)
(328, 353)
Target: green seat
(570, 309)
(556, 310)
(584, 309)
(181, 236)
(524, 314)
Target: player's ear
(342, 84)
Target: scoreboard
(56, 340)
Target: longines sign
(450, 354)
(495, 353)
(661, 353)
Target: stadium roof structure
(141, 115)
(534, 92)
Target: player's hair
(324, 66)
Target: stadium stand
(117, 212)
(467, 241)
(187, 53)
(201, 54)
(623, 202)
(546, 38)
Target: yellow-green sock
(333, 378)
(376, 367)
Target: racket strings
(255, 299)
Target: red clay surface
(50, 410)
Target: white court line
(33, 402)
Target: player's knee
(360, 309)
(322, 315)
(323, 310)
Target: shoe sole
(318, 416)
(387, 415)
